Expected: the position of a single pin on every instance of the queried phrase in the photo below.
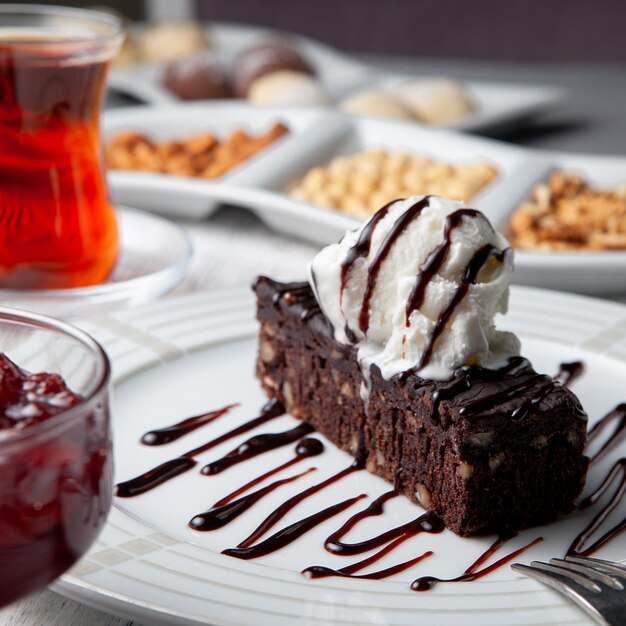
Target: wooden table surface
(233, 246)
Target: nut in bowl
(201, 155)
(55, 449)
(568, 214)
(361, 183)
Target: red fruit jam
(55, 485)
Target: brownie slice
(487, 450)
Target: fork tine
(617, 569)
(576, 577)
(587, 568)
(552, 576)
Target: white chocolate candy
(287, 88)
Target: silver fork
(597, 586)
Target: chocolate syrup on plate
(428, 522)
(426, 583)
(375, 508)
(616, 477)
(569, 372)
(174, 467)
(307, 447)
(216, 517)
(176, 431)
(618, 417)
(349, 571)
(259, 444)
(273, 518)
(292, 532)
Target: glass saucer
(154, 254)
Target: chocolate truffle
(375, 102)
(197, 77)
(266, 57)
(435, 100)
(287, 88)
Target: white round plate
(196, 353)
(154, 254)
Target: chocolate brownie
(487, 450)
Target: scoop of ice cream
(435, 100)
(418, 287)
(287, 88)
(377, 103)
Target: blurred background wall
(515, 30)
(507, 30)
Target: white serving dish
(499, 106)
(316, 136)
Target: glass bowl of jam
(56, 471)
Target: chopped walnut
(567, 214)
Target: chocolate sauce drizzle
(383, 252)
(306, 448)
(615, 477)
(359, 250)
(319, 571)
(273, 518)
(175, 467)
(225, 510)
(469, 278)
(428, 522)
(219, 516)
(375, 508)
(258, 444)
(483, 403)
(617, 416)
(362, 247)
(435, 260)
(426, 583)
(176, 431)
(569, 372)
(292, 532)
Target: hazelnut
(465, 471)
(269, 382)
(267, 353)
(496, 460)
(424, 497)
(287, 392)
(346, 390)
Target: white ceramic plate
(499, 106)
(195, 353)
(259, 184)
(154, 254)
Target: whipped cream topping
(418, 287)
